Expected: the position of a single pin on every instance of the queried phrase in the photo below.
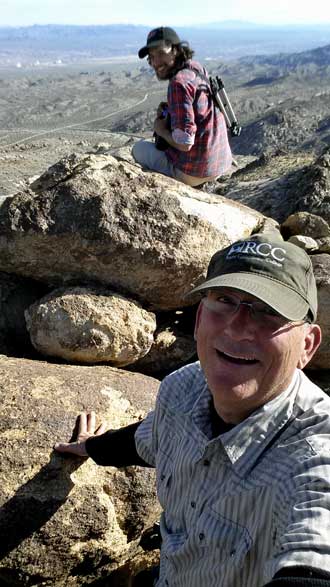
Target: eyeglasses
(228, 304)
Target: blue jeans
(145, 153)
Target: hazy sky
(160, 12)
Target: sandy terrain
(46, 114)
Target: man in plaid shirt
(197, 148)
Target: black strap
(202, 76)
(300, 576)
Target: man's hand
(161, 108)
(160, 126)
(86, 428)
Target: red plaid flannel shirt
(193, 111)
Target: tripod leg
(228, 105)
(223, 109)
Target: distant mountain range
(218, 41)
(243, 24)
(319, 56)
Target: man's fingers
(86, 427)
(101, 429)
(82, 423)
(91, 422)
(87, 423)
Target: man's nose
(240, 324)
(157, 59)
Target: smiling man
(240, 440)
(192, 129)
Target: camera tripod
(222, 100)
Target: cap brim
(145, 50)
(282, 299)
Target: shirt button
(193, 504)
(201, 536)
(162, 477)
(206, 463)
(233, 552)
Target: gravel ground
(21, 162)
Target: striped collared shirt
(239, 507)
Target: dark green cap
(277, 272)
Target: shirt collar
(246, 441)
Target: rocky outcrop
(90, 325)
(304, 225)
(281, 184)
(64, 521)
(121, 244)
(307, 243)
(95, 218)
(100, 222)
(321, 266)
(16, 295)
(173, 345)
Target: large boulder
(305, 224)
(95, 218)
(64, 520)
(90, 325)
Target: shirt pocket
(222, 540)
(169, 473)
(164, 473)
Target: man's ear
(198, 319)
(312, 341)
